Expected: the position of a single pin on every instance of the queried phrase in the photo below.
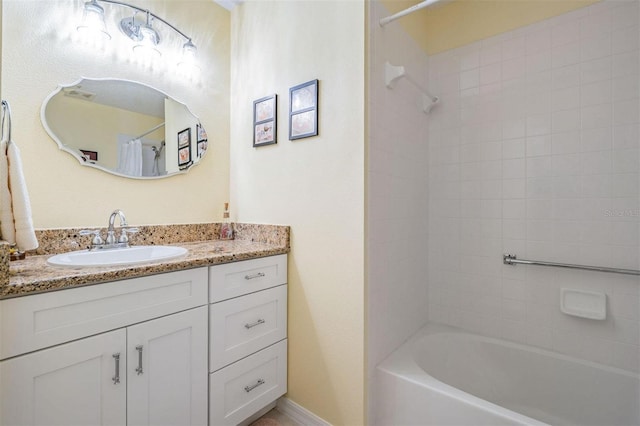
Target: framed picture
(202, 148)
(303, 110)
(264, 121)
(184, 147)
(201, 134)
(89, 155)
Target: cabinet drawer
(235, 279)
(244, 325)
(243, 388)
(42, 320)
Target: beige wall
(34, 62)
(455, 23)
(316, 185)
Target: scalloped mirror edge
(195, 155)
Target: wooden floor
(275, 418)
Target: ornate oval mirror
(124, 128)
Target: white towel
(16, 223)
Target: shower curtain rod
(422, 5)
(153, 129)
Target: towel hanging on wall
(16, 223)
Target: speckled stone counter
(34, 275)
(4, 263)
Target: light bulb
(93, 25)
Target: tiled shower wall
(397, 192)
(535, 151)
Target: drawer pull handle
(258, 275)
(253, 324)
(139, 367)
(116, 377)
(250, 388)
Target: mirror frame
(81, 159)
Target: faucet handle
(97, 239)
(126, 230)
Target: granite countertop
(34, 275)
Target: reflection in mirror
(125, 128)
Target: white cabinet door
(78, 383)
(167, 370)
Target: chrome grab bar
(511, 259)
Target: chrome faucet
(111, 242)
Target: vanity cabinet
(150, 372)
(247, 337)
(198, 346)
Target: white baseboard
(299, 414)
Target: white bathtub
(445, 376)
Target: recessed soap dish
(584, 304)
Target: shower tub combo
(445, 376)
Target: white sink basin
(115, 257)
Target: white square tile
(626, 136)
(596, 162)
(513, 148)
(565, 33)
(566, 164)
(597, 139)
(626, 112)
(469, 79)
(514, 68)
(513, 188)
(626, 161)
(539, 209)
(596, 93)
(538, 145)
(595, 47)
(626, 88)
(568, 98)
(538, 41)
(490, 74)
(596, 70)
(513, 168)
(567, 186)
(539, 62)
(626, 39)
(539, 166)
(567, 76)
(539, 187)
(490, 54)
(469, 60)
(539, 124)
(625, 64)
(596, 185)
(514, 209)
(596, 116)
(625, 15)
(566, 121)
(565, 54)
(513, 48)
(514, 229)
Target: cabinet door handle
(253, 324)
(252, 387)
(258, 275)
(139, 367)
(116, 377)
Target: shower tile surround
(534, 150)
(397, 195)
(34, 274)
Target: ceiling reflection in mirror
(124, 128)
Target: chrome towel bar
(511, 259)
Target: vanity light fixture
(141, 32)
